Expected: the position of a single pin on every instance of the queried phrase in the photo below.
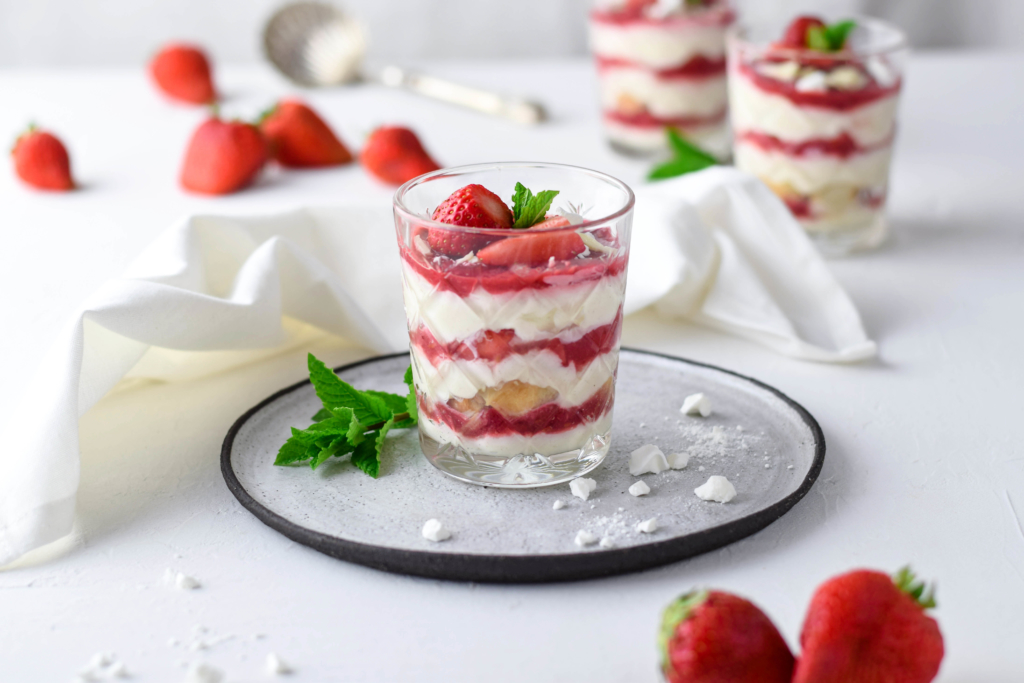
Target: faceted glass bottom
(849, 240)
(523, 470)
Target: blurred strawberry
(41, 160)
(715, 637)
(796, 32)
(223, 157)
(299, 138)
(473, 206)
(395, 155)
(182, 72)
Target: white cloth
(216, 292)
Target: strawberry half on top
(716, 637)
(868, 627)
(473, 206)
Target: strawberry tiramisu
(514, 313)
(814, 116)
(661, 63)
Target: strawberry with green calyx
(182, 72)
(41, 160)
(473, 206)
(223, 157)
(687, 158)
(715, 637)
(298, 138)
(868, 627)
(811, 33)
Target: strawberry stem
(919, 591)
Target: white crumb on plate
(647, 458)
(678, 461)
(582, 487)
(204, 673)
(696, 404)
(607, 542)
(584, 538)
(639, 489)
(648, 526)
(276, 666)
(186, 582)
(717, 489)
(558, 504)
(433, 530)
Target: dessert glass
(515, 365)
(818, 127)
(662, 65)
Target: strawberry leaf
(919, 591)
(529, 209)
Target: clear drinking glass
(818, 127)
(515, 362)
(662, 65)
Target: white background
(80, 32)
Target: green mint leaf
(321, 415)
(393, 402)
(688, 158)
(366, 455)
(520, 199)
(685, 148)
(337, 446)
(837, 33)
(410, 400)
(336, 393)
(535, 207)
(293, 451)
(817, 39)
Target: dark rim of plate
(526, 568)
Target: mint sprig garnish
(351, 421)
(831, 38)
(687, 158)
(529, 209)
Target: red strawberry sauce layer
(697, 67)
(549, 418)
(496, 346)
(645, 119)
(842, 146)
(838, 100)
(465, 278)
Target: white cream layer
(756, 110)
(648, 139)
(811, 174)
(565, 312)
(515, 444)
(663, 97)
(466, 378)
(658, 46)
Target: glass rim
(425, 221)
(737, 35)
(721, 14)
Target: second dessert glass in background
(660, 64)
(818, 126)
(514, 359)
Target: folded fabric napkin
(214, 292)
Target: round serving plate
(767, 445)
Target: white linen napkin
(215, 292)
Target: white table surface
(925, 460)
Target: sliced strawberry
(495, 346)
(796, 32)
(533, 249)
(552, 222)
(473, 206)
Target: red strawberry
(495, 346)
(533, 249)
(715, 637)
(299, 138)
(868, 627)
(182, 72)
(41, 160)
(796, 32)
(552, 222)
(395, 155)
(223, 156)
(473, 206)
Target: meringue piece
(277, 666)
(696, 404)
(607, 542)
(558, 504)
(186, 582)
(648, 526)
(584, 538)
(647, 458)
(678, 461)
(717, 489)
(433, 530)
(780, 71)
(815, 81)
(639, 489)
(846, 78)
(582, 487)
(204, 673)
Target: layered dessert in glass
(662, 63)
(514, 331)
(814, 116)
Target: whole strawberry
(715, 637)
(299, 138)
(473, 206)
(395, 155)
(223, 157)
(41, 160)
(182, 72)
(868, 627)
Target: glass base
(522, 470)
(843, 241)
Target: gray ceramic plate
(767, 445)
